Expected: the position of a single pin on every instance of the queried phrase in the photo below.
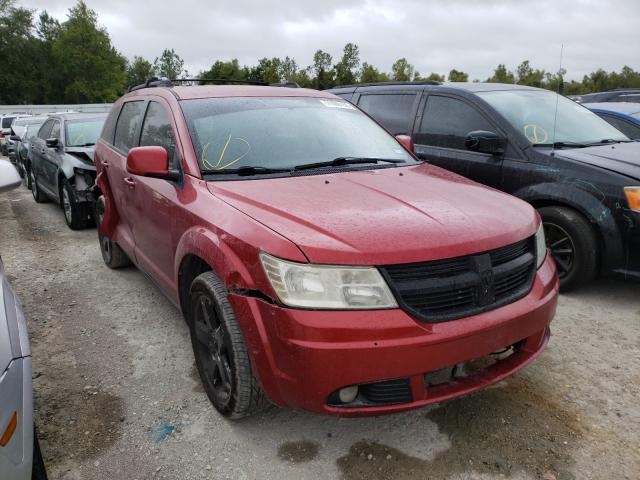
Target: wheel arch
(586, 204)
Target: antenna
(555, 114)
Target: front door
(439, 138)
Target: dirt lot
(117, 394)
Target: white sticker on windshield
(337, 104)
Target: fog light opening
(348, 394)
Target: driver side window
(447, 121)
(45, 130)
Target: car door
(440, 133)
(51, 160)
(395, 111)
(114, 163)
(38, 149)
(152, 201)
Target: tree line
(44, 61)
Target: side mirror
(485, 142)
(150, 162)
(9, 177)
(15, 138)
(406, 141)
(52, 142)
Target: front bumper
(301, 357)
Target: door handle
(104, 163)
(130, 182)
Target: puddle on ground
(298, 452)
(504, 431)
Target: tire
(76, 214)
(38, 470)
(113, 256)
(38, 196)
(27, 176)
(573, 245)
(220, 351)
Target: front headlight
(633, 198)
(541, 245)
(326, 286)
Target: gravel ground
(117, 394)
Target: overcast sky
(434, 35)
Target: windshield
(32, 130)
(83, 133)
(283, 133)
(532, 112)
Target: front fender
(587, 199)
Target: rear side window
(447, 121)
(157, 131)
(6, 122)
(128, 122)
(109, 128)
(45, 130)
(391, 110)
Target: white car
(20, 457)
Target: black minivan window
(447, 121)
(393, 111)
(156, 131)
(127, 124)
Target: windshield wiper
(89, 144)
(246, 171)
(337, 162)
(610, 140)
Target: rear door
(114, 163)
(51, 160)
(38, 149)
(440, 133)
(152, 201)
(395, 111)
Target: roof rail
(165, 82)
(420, 82)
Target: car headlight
(541, 245)
(633, 198)
(326, 286)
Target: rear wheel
(38, 196)
(112, 254)
(220, 352)
(572, 244)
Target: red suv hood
(383, 216)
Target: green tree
(370, 74)
(19, 54)
(139, 71)
(402, 70)
(322, 68)
(168, 65)
(93, 68)
(346, 70)
(458, 76)
(526, 75)
(230, 70)
(502, 75)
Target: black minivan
(581, 173)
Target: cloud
(435, 35)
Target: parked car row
(326, 264)
(578, 171)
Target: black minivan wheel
(113, 256)
(75, 214)
(220, 351)
(572, 244)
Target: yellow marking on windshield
(535, 133)
(219, 165)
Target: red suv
(318, 263)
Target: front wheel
(572, 244)
(220, 351)
(75, 214)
